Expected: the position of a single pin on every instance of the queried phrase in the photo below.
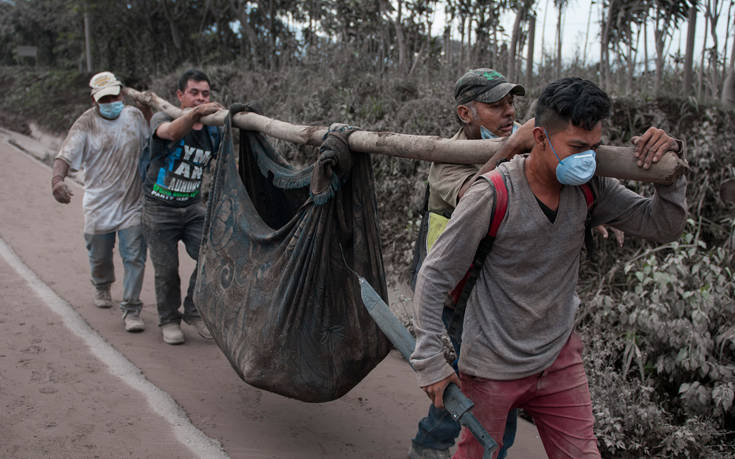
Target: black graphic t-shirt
(175, 172)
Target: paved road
(73, 383)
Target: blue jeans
(165, 226)
(439, 431)
(132, 251)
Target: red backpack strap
(501, 200)
(589, 196)
(457, 298)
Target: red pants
(558, 399)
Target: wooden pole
(615, 162)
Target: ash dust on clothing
(108, 151)
(176, 178)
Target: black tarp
(273, 287)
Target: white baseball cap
(104, 84)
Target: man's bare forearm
(176, 130)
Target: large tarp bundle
(275, 285)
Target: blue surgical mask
(111, 110)
(576, 169)
(488, 134)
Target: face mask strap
(548, 137)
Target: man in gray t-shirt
(105, 142)
(519, 349)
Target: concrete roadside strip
(119, 366)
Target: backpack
(145, 156)
(457, 298)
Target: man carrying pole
(173, 211)
(519, 349)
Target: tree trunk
(630, 60)
(645, 52)
(700, 84)
(249, 34)
(401, 41)
(272, 26)
(689, 53)
(586, 36)
(658, 38)
(88, 40)
(543, 36)
(462, 22)
(511, 66)
(529, 59)
(713, 10)
(604, 46)
(175, 37)
(558, 40)
(726, 40)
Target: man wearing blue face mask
(106, 142)
(485, 110)
(519, 347)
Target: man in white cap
(106, 143)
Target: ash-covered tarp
(273, 286)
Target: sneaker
(172, 333)
(419, 452)
(202, 329)
(102, 298)
(133, 322)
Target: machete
(455, 401)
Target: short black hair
(192, 74)
(573, 100)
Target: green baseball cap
(484, 85)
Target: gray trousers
(132, 251)
(164, 227)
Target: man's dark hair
(573, 100)
(192, 74)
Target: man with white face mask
(106, 142)
(519, 349)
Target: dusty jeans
(558, 399)
(132, 251)
(164, 227)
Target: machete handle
(455, 401)
(459, 407)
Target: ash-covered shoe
(172, 333)
(102, 297)
(202, 329)
(133, 322)
(419, 452)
